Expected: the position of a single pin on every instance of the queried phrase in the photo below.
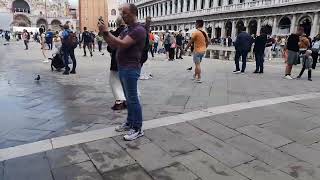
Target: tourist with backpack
(69, 43)
(26, 38)
(87, 41)
(49, 39)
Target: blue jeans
(129, 79)
(66, 53)
(243, 54)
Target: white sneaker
(288, 77)
(133, 135)
(123, 127)
(198, 81)
(45, 61)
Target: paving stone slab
(66, 156)
(151, 157)
(220, 150)
(257, 170)
(33, 167)
(81, 171)
(169, 142)
(264, 136)
(303, 153)
(207, 167)
(301, 137)
(175, 171)
(302, 171)
(262, 152)
(131, 144)
(185, 130)
(215, 129)
(132, 172)
(107, 155)
(27, 134)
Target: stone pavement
(276, 142)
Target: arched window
(113, 12)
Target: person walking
(114, 81)
(179, 43)
(315, 51)
(156, 43)
(200, 40)
(68, 47)
(99, 39)
(243, 46)
(172, 42)
(93, 38)
(42, 43)
(26, 38)
(306, 64)
(130, 45)
(268, 49)
(87, 41)
(292, 49)
(151, 43)
(259, 49)
(166, 43)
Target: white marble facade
(35, 13)
(224, 17)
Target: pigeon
(189, 69)
(37, 78)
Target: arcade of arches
(278, 25)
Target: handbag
(173, 45)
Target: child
(306, 64)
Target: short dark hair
(85, 28)
(133, 9)
(199, 22)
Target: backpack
(167, 39)
(145, 50)
(28, 35)
(72, 40)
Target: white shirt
(156, 38)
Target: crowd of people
(130, 44)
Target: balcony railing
(227, 8)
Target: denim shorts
(197, 57)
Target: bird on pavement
(37, 78)
(189, 69)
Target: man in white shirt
(156, 43)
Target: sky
(74, 3)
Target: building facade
(224, 18)
(90, 11)
(35, 13)
(113, 13)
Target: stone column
(159, 9)
(213, 31)
(185, 6)
(234, 29)
(258, 26)
(168, 8)
(223, 29)
(198, 4)
(151, 11)
(173, 6)
(274, 26)
(246, 25)
(191, 5)
(293, 24)
(148, 11)
(179, 6)
(206, 4)
(315, 25)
